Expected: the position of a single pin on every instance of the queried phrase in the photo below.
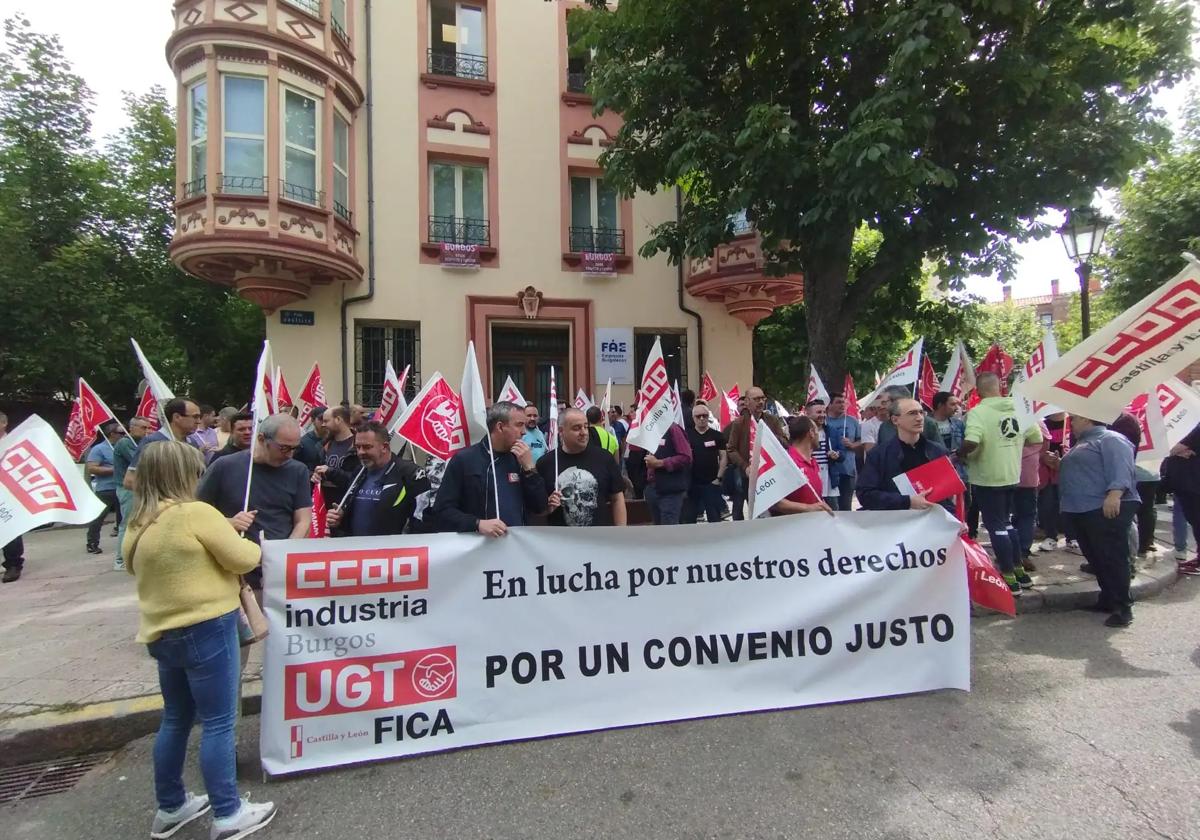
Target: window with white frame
(594, 217)
(458, 204)
(341, 166)
(337, 14)
(197, 138)
(457, 39)
(300, 147)
(244, 165)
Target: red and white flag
(474, 404)
(996, 361)
(852, 408)
(312, 394)
(40, 483)
(77, 440)
(552, 428)
(904, 372)
(984, 583)
(582, 401)
(1044, 354)
(510, 393)
(654, 412)
(960, 374)
(283, 397)
(92, 409)
(1140, 349)
(773, 473)
(781, 410)
(816, 388)
(677, 405)
(928, 384)
(262, 403)
(728, 411)
(319, 526)
(433, 421)
(154, 382)
(708, 388)
(1180, 406)
(391, 400)
(1148, 411)
(938, 478)
(148, 409)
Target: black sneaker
(94, 549)
(1023, 579)
(1087, 569)
(11, 575)
(1120, 619)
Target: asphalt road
(1071, 731)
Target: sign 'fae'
(39, 482)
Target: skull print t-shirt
(587, 481)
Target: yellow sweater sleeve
(231, 551)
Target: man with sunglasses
(280, 492)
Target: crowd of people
(194, 499)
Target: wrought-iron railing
(305, 195)
(597, 240)
(453, 63)
(343, 212)
(243, 184)
(195, 187)
(577, 81)
(459, 231)
(339, 31)
(313, 7)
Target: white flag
(392, 404)
(260, 405)
(780, 411)
(1180, 406)
(474, 407)
(607, 404)
(960, 373)
(510, 393)
(40, 483)
(773, 474)
(157, 386)
(582, 401)
(905, 372)
(1147, 410)
(816, 388)
(654, 412)
(677, 404)
(1044, 354)
(1143, 347)
(552, 437)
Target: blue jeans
(125, 499)
(1025, 503)
(198, 670)
(665, 508)
(996, 509)
(1179, 526)
(705, 499)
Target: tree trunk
(830, 320)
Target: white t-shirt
(821, 456)
(870, 430)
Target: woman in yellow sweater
(187, 558)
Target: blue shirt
(839, 428)
(537, 442)
(102, 456)
(366, 499)
(1101, 460)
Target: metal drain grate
(46, 778)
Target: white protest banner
(816, 388)
(390, 646)
(1139, 349)
(654, 412)
(1180, 409)
(39, 482)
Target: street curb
(1147, 583)
(46, 736)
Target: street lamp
(1082, 234)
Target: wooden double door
(528, 354)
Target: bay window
(341, 167)
(244, 167)
(197, 138)
(300, 147)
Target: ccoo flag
(655, 413)
(433, 421)
(511, 393)
(391, 401)
(816, 388)
(773, 474)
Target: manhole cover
(45, 778)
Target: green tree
(947, 127)
(1015, 328)
(1104, 307)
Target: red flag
(268, 390)
(319, 528)
(852, 409)
(312, 394)
(927, 385)
(708, 388)
(729, 408)
(93, 412)
(283, 397)
(77, 439)
(433, 421)
(938, 478)
(998, 362)
(985, 585)
(148, 409)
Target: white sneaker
(1049, 544)
(1073, 547)
(249, 819)
(119, 564)
(1181, 556)
(166, 823)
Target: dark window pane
(674, 349)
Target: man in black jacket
(467, 499)
(382, 495)
(904, 451)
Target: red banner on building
(601, 265)
(459, 256)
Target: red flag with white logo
(938, 478)
(852, 408)
(282, 396)
(312, 394)
(93, 411)
(77, 440)
(984, 583)
(728, 411)
(391, 401)
(319, 527)
(148, 409)
(928, 385)
(433, 421)
(552, 437)
(39, 481)
(708, 388)
(998, 362)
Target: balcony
(597, 240)
(313, 7)
(459, 231)
(577, 81)
(735, 275)
(304, 195)
(457, 69)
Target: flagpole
(250, 470)
(361, 470)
